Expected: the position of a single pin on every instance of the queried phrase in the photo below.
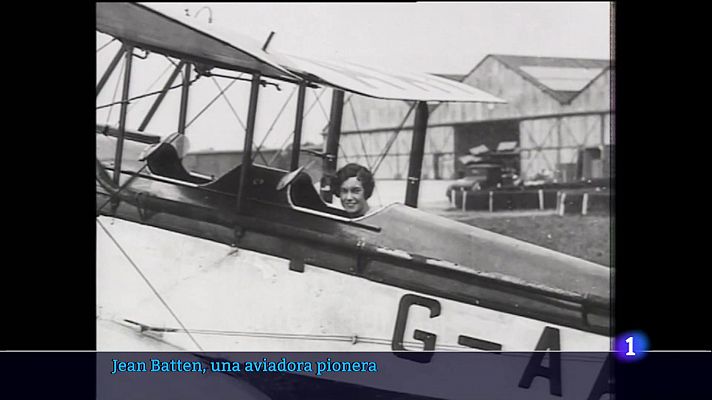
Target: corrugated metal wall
(553, 143)
(368, 149)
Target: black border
(661, 286)
(50, 186)
(49, 250)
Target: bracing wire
(145, 279)
(323, 111)
(229, 104)
(596, 357)
(133, 176)
(152, 84)
(360, 136)
(300, 336)
(288, 138)
(146, 95)
(343, 153)
(279, 115)
(116, 90)
(393, 138)
(210, 103)
(176, 66)
(105, 45)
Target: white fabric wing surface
(374, 82)
(162, 29)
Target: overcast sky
(428, 37)
(431, 37)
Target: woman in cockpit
(354, 186)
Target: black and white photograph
(411, 178)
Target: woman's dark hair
(354, 170)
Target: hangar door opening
(489, 134)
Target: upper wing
(377, 83)
(156, 28)
(162, 30)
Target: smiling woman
(354, 186)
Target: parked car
(482, 176)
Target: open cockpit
(161, 159)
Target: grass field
(588, 237)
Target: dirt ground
(587, 237)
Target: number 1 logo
(630, 346)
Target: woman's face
(353, 197)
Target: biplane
(259, 259)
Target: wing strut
(332, 143)
(416, 154)
(296, 144)
(110, 70)
(185, 91)
(249, 134)
(122, 116)
(160, 98)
